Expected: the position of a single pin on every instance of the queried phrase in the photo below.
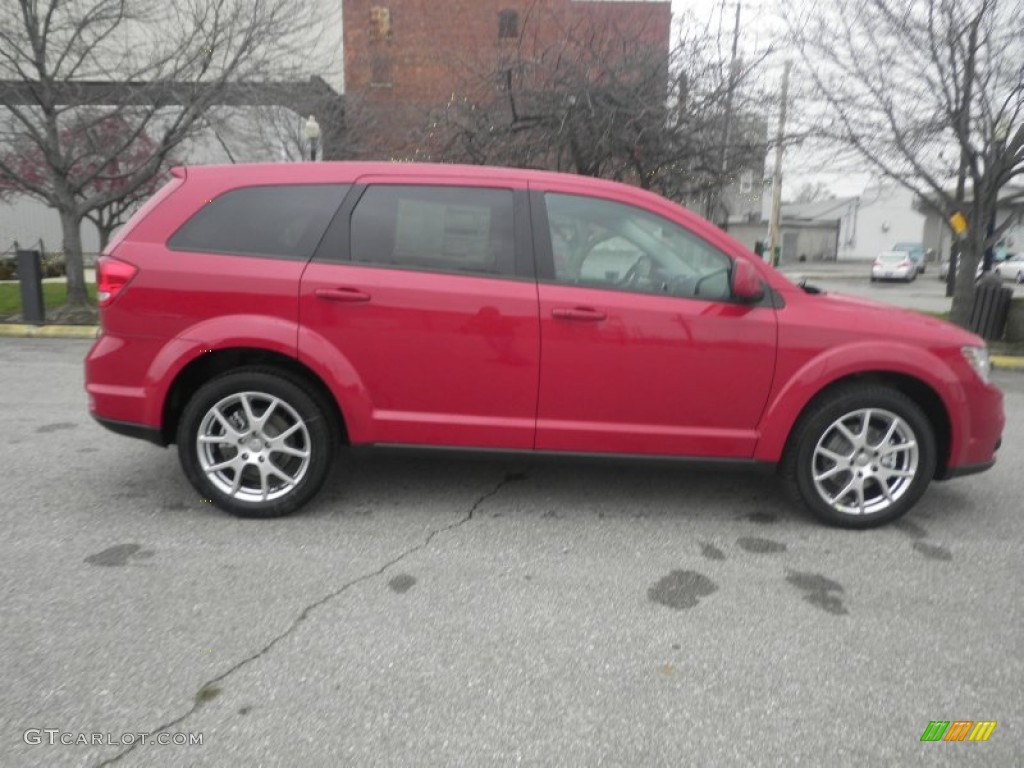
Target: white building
(883, 216)
(25, 222)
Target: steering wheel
(679, 285)
(633, 274)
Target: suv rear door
(424, 290)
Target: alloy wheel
(253, 446)
(865, 461)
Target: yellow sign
(958, 223)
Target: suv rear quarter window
(282, 221)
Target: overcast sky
(761, 27)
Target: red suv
(262, 316)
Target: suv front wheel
(862, 458)
(256, 442)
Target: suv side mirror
(746, 282)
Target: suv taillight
(111, 276)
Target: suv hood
(874, 316)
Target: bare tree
(111, 215)
(811, 192)
(91, 141)
(929, 94)
(178, 57)
(597, 103)
(275, 133)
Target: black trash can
(991, 306)
(30, 275)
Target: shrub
(54, 267)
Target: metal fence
(52, 261)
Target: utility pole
(773, 224)
(726, 137)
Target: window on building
(504, 79)
(380, 71)
(285, 221)
(436, 229)
(380, 24)
(508, 24)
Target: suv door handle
(350, 295)
(578, 313)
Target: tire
(245, 483)
(818, 436)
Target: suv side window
(603, 244)
(284, 221)
(436, 229)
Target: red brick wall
(437, 48)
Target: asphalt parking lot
(476, 613)
(925, 294)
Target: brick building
(404, 58)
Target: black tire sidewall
(818, 419)
(309, 407)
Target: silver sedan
(893, 265)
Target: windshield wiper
(812, 289)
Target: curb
(50, 331)
(1007, 362)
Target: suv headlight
(977, 358)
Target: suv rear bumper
(117, 381)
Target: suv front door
(643, 349)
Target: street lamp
(313, 134)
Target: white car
(1011, 269)
(944, 271)
(893, 265)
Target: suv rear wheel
(256, 442)
(862, 458)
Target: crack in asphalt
(305, 613)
